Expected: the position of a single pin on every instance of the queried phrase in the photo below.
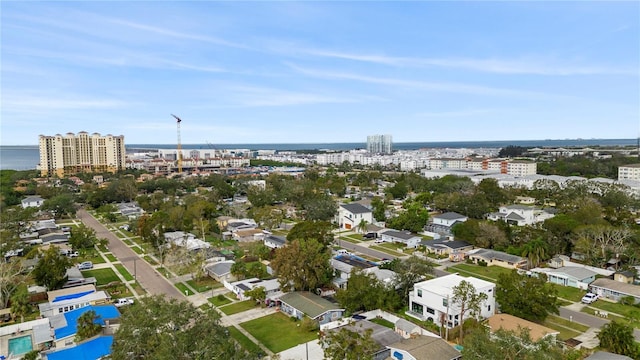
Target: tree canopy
(618, 338)
(157, 328)
(366, 292)
(51, 270)
(302, 265)
(344, 344)
(530, 298)
(509, 345)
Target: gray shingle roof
(514, 216)
(449, 216)
(575, 272)
(400, 234)
(499, 255)
(310, 304)
(355, 208)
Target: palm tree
(535, 251)
(362, 226)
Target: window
(431, 311)
(417, 308)
(445, 302)
(419, 292)
(488, 307)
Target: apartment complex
(62, 155)
(379, 144)
(629, 172)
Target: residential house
(605, 355)
(32, 201)
(573, 276)
(381, 335)
(240, 224)
(497, 258)
(65, 325)
(405, 237)
(38, 331)
(431, 300)
(525, 200)
(130, 210)
(614, 290)
(406, 329)
(248, 235)
(95, 348)
(423, 347)
(274, 241)
(56, 237)
(351, 215)
(220, 271)
(301, 303)
(513, 323)
(624, 276)
(386, 276)
(344, 264)
(443, 223)
(455, 249)
(271, 287)
(70, 299)
(185, 240)
(521, 215)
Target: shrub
(482, 263)
(628, 300)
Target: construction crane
(178, 121)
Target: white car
(85, 265)
(589, 298)
(123, 302)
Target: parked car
(85, 265)
(123, 302)
(73, 254)
(589, 298)
(378, 241)
(370, 235)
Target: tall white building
(69, 154)
(629, 172)
(379, 144)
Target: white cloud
(28, 102)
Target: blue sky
(303, 72)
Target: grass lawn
(385, 250)
(569, 293)
(150, 260)
(137, 249)
(564, 302)
(111, 257)
(566, 323)
(125, 273)
(278, 332)
(139, 289)
(244, 341)
(631, 313)
(350, 240)
(184, 289)
(485, 272)
(127, 241)
(219, 300)
(383, 322)
(238, 307)
(204, 284)
(164, 272)
(92, 256)
(103, 276)
(103, 248)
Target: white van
(343, 252)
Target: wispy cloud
(423, 85)
(498, 66)
(27, 102)
(260, 96)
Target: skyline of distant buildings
(380, 144)
(70, 153)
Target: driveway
(147, 276)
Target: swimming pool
(20, 345)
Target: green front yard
(238, 307)
(103, 276)
(386, 250)
(219, 300)
(569, 293)
(184, 289)
(125, 273)
(489, 273)
(244, 341)
(204, 284)
(111, 257)
(630, 313)
(278, 332)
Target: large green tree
(345, 344)
(60, 205)
(530, 298)
(318, 230)
(82, 237)
(51, 270)
(158, 328)
(409, 272)
(618, 338)
(366, 292)
(302, 265)
(413, 219)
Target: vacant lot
(238, 307)
(103, 276)
(489, 273)
(278, 332)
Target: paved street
(147, 276)
(589, 320)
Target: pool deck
(17, 331)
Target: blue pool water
(20, 345)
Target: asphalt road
(365, 250)
(152, 281)
(589, 320)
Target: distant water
(26, 157)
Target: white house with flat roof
(432, 300)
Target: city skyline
(320, 72)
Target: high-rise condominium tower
(379, 144)
(69, 154)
